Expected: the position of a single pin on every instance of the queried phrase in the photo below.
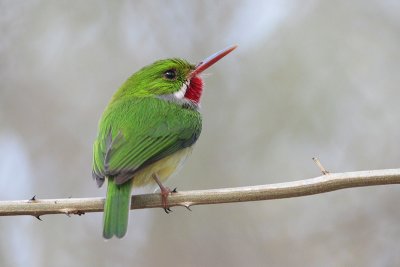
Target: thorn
(174, 191)
(38, 217)
(32, 198)
(323, 170)
(187, 205)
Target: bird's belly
(163, 168)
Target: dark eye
(170, 74)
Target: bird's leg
(165, 191)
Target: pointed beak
(208, 62)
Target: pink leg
(165, 191)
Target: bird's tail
(116, 209)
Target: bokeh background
(310, 78)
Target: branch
(325, 183)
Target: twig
(323, 170)
(325, 183)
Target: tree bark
(325, 183)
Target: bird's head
(174, 79)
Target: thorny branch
(325, 183)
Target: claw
(167, 210)
(164, 199)
(165, 191)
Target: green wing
(137, 132)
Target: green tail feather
(116, 209)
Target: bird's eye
(170, 74)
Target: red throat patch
(195, 89)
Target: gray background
(310, 78)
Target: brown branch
(325, 183)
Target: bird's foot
(165, 191)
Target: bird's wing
(150, 130)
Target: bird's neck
(194, 90)
(189, 95)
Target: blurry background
(310, 78)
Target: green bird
(146, 132)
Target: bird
(146, 132)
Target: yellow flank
(163, 168)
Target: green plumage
(146, 132)
(116, 209)
(136, 132)
(141, 125)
